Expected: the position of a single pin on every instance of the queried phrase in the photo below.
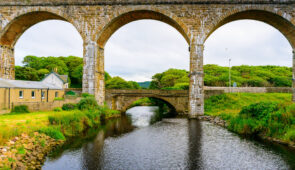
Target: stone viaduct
(97, 20)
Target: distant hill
(145, 84)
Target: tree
(26, 73)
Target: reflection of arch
(135, 15)
(270, 17)
(128, 104)
(21, 23)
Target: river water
(169, 144)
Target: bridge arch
(278, 19)
(20, 23)
(119, 19)
(126, 17)
(14, 28)
(128, 104)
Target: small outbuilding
(18, 92)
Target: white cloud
(49, 38)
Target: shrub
(53, 132)
(290, 135)
(245, 126)
(20, 109)
(85, 95)
(69, 106)
(259, 110)
(71, 93)
(57, 109)
(58, 98)
(87, 103)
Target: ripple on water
(172, 144)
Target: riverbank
(267, 116)
(26, 138)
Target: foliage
(20, 109)
(271, 114)
(58, 98)
(169, 78)
(214, 75)
(87, 95)
(87, 103)
(119, 83)
(69, 106)
(35, 68)
(57, 109)
(53, 132)
(142, 102)
(71, 93)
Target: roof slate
(5, 83)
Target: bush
(20, 109)
(290, 135)
(58, 98)
(71, 93)
(259, 110)
(87, 103)
(53, 132)
(57, 109)
(69, 106)
(85, 95)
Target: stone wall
(46, 106)
(251, 89)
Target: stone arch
(129, 16)
(278, 19)
(133, 99)
(14, 28)
(20, 23)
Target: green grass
(54, 124)
(12, 125)
(269, 114)
(232, 103)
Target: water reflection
(194, 144)
(85, 151)
(169, 144)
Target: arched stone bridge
(97, 20)
(122, 99)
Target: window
(43, 94)
(33, 94)
(21, 94)
(56, 94)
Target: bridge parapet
(139, 2)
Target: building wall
(13, 98)
(47, 106)
(52, 79)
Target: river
(131, 143)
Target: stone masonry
(97, 20)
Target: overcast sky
(140, 49)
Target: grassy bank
(26, 138)
(269, 115)
(69, 120)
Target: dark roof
(64, 78)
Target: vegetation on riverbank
(56, 125)
(267, 115)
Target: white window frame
(21, 94)
(43, 95)
(33, 92)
